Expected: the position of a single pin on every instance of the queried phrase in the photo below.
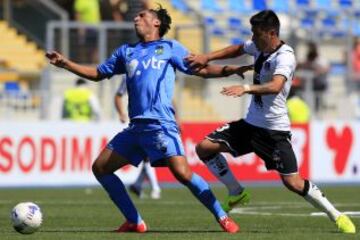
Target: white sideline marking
(349, 213)
(252, 211)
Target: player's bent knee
(202, 152)
(97, 169)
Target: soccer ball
(26, 217)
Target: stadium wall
(61, 153)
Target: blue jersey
(150, 76)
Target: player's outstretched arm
(60, 61)
(213, 71)
(198, 61)
(272, 87)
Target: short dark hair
(164, 17)
(80, 81)
(266, 20)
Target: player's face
(261, 38)
(145, 23)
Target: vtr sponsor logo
(154, 63)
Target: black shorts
(274, 147)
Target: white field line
(260, 212)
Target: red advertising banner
(248, 167)
(336, 157)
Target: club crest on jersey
(159, 50)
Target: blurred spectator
(68, 6)
(320, 68)
(127, 10)
(133, 7)
(87, 11)
(356, 64)
(80, 104)
(106, 10)
(298, 109)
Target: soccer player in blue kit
(150, 67)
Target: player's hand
(56, 59)
(234, 91)
(197, 62)
(123, 118)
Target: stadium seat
(11, 86)
(329, 21)
(245, 32)
(357, 13)
(180, 5)
(323, 4)
(280, 6)
(356, 29)
(307, 23)
(217, 31)
(302, 3)
(238, 6)
(345, 3)
(236, 41)
(209, 21)
(234, 23)
(259, 5)
(210, 5)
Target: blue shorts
(148, 138)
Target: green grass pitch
(273, 213)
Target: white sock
(316, 198)
(219, 167)
(151, 174)
(140, 179)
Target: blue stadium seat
(13, 89)
(11, 86)
(302, 3)
(234, 23)
(307, 23)
(323, 4)
(356, 29)
(345, 3)
(330, 19)
(217, 31)
(245, 32)
(180, 5)
(210, 5)
(236, 41)
(311, 13)
(259, 5)
(328, 22)
(280, 6)
(238, 6)
(338, 68)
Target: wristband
(246, 87)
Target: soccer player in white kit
(266, 128)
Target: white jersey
(272, 114)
